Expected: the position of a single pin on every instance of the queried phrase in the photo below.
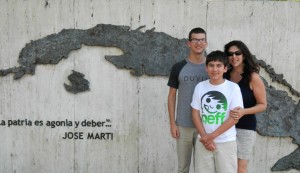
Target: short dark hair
(217, 56)
(196, 31)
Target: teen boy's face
(215, 71)
(198, 43)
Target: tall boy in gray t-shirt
(184, 76)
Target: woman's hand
(237, 113)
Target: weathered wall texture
(126, 106)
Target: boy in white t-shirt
(216, 150)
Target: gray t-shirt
(185, 76)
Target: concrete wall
(133, 108)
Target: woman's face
(235, 56)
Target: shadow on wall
(154, 53)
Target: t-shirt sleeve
(173, 79)
(174, 75)
(237, 100)
(196, 102)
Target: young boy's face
(215, 71)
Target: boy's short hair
(196, 31)
(217, 56)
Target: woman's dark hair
(250, 65)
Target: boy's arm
(171, 110)
(208, 139)
(199, 126)
(197, 122)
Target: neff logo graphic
(214, 107)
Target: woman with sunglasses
(243, 70)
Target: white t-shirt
(214, 103)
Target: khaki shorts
(222, 160)
(245, 143)
(185, 148)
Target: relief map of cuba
(153, 53)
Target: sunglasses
(236, 53)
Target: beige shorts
(185, 148)
(222, 160)
(245, 143)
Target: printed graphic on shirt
(214, 107)
(194, 78)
